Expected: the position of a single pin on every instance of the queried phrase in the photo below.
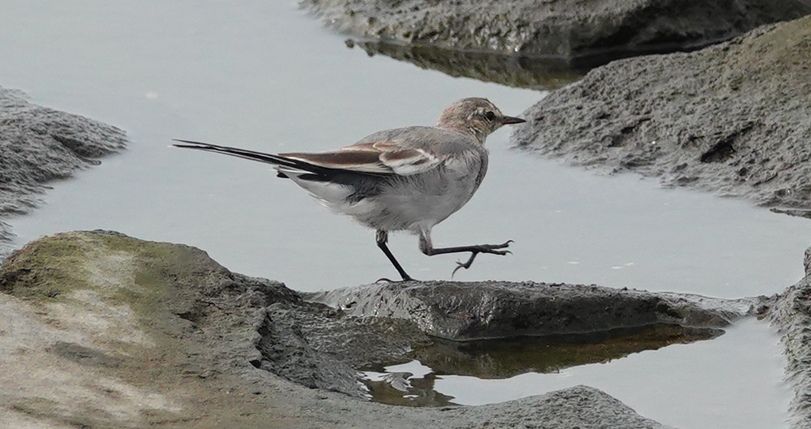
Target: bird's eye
(490, 116)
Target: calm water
(415, 383)
(698, 385)
(262, 75)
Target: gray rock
(571, 29)
(731, 118)
(577, 407)
(39, 145)
(791, 314)
(319, 347)
(145, 334)
(807, 262)
(481, 310)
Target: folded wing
(376, 158)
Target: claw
(458, 266)
(466, 264)
(388, 280)
(492, 250)
(499, 246)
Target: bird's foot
(388, 280)
(493, 249)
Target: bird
(403, 179)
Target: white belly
(415, 203)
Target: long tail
(287, 165)
(242, 153)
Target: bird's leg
(382, 238)
(494, 249)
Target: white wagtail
(408, 178)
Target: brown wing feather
(352, 160)
(380, 156)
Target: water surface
(702, 385)
(262, 75)
(414, 383)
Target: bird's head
(477, 116)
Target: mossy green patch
(46, 269)
(119, 269)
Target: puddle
(733, 381)
(520, 72)
(413, 383)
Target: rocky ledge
(486, 310)
(570, 29)
(99, 329)
(731, 118)
(791, 314)
(40, 145)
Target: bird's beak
(507, 120)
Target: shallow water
(670, 384)
(507, 358)
(263, 75)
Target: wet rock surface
(594, 31)
(731, 118)
(791, 314)
(39, 145)
(482, 310)
(155, 334)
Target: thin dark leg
(382, 237)
(494, 249)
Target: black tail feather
(241, 153)
(261, 157)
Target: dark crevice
(724, 149)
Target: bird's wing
(403, 151)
